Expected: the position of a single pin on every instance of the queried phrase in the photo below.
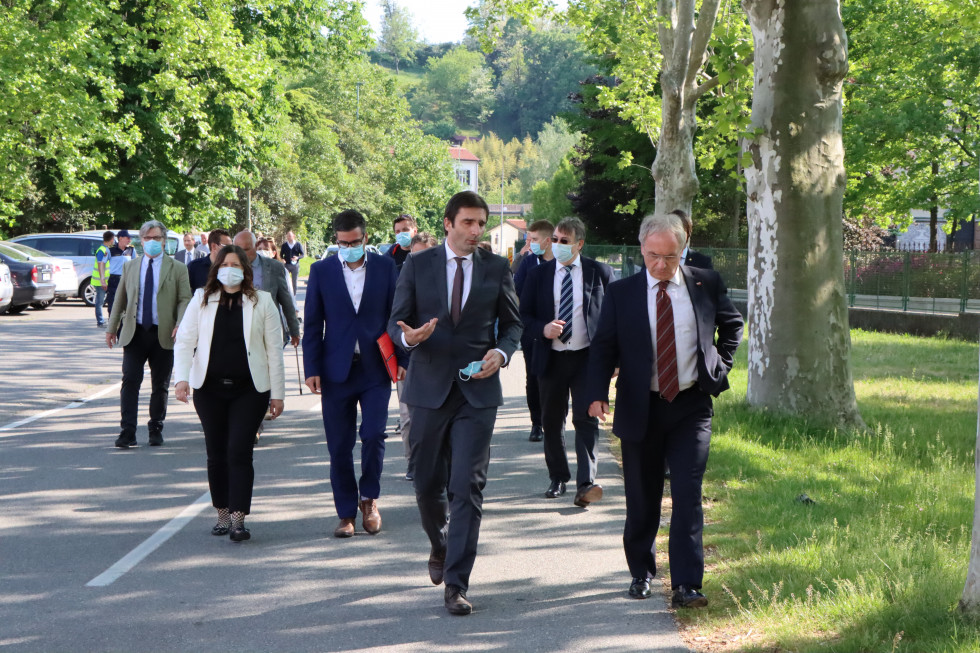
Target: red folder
(388, 355)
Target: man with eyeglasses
(672, 332)
(560, 308)
(539, 235)
(344, 365)
(150, 302)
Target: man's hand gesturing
(419, 335)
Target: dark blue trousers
(340, 401)
(680, 432)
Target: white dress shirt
(580, 335)
(257, 273)
(157, 267)
(354, 278)
(685, 329)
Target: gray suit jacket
(172, 297)
(422, 294)
(183, 257)
(274, 282)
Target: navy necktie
(148, 297)
(565, 304)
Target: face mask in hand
(470, 370)
(231, 277)
(152, 248)
(351, 254)
(404, 239)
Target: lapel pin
(697, 283)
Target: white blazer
(263, 342)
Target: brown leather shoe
(345, 528)
(588, 494)
(437, 561)
(456, 602)
(370, 517)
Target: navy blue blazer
(528, 263)
(331, 326)
(538, 304)
(623, 340)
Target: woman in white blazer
(229, 349)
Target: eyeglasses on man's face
(350, 243)
(562, 240)
(156, 238)
(659, 258)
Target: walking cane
(299, 375)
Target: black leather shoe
(437, 561)
(640, 588)
(555, 490)
(219, 530)
(239, 534)
(126, 441)
(688, 597)
(537, 435)
(456, 602)
(156, 438)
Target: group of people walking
(439, 321)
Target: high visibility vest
(96, 279)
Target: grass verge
(878, 561)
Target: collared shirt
(119, 258)
(685, 329)
(580, 335)
(257, 272)
(144, 267)
(354, 278)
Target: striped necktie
(666, 347)
(565, 304)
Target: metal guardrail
(895, 281)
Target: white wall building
(916, 237)
(467, 166)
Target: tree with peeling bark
(799, 338)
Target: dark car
(33, 281)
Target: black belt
(654, 393)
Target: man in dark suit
(198, 270)
(291, 252)
(446, 304)
(539, 235)
(269, 275)
(560, 307)
(691, 258)
(344, 365)
(672, 331)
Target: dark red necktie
(666, 347)
(457, 306)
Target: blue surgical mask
(231, 277)
(404, 239)
(152, 248)
(536, 249)
(562, 252)
(470, 370)
(351, 254)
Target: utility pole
(248, 210)
(501, 248)
(358, 85)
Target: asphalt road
(104, 549)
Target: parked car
(6, 288)
(332, 249)
(80, 248)
(65, 278)
(33, 281)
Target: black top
(229, 357)
(287, 252)
(399, 255)
(197, 272)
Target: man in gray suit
(190, 251)
(270, 275)
(446, 303)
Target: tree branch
(713, 82)
(683, 29)
(665, 15)
(702, 34)
(953, 137)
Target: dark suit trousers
(230, 417)
(145, 346)
(679, 431)
(339, 402)
(450, 456)
(566, 374)
(110, 293)
(531, 387)
(293, 275)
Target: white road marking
(151, 544)
(48, 413)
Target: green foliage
(911, 111)
(399, 38)
(458, 86)
(884, 548)
(551, 198)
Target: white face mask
(231, 277)
(264, 252)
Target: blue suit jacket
(538, 304)
(331, 327)
(623, 340)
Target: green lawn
(878, 562)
